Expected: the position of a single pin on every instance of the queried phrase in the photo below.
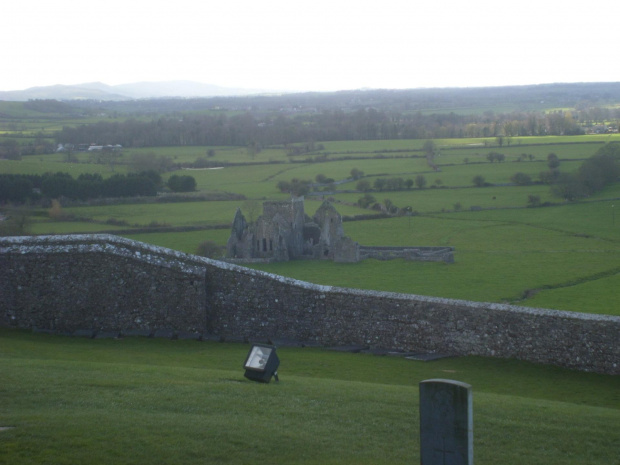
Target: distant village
(88, 148)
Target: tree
(479, 181)
(299, 187)
(365, 201)
(549, 177)
(553, 161)
(320, 178)
(394, 184)
(420, 181)
(598, 171)
(356, 174)
(363, 185)
(69, 155)
(568, 187)
(149, 161)
(55, 212)
(496, 156)
(380, 183)
(295, 187)
(54, 186)
(521, 179)
(10, 149)
(253, 149)
(389, 206)
(152, 175)
(284, 186)
(533, 200)
(181, 183)
(17, 223)
(17, 188)
(429, 148)
(109, 157)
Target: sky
(309, 45)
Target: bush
(549, 177)
(521, 179)
(16, 223)
(495, 156)
(420, 181)
(533, 200)
(478, 181)
(363, 185)
(55, 212)
(296, 187)
(356, 174)
(182, 183)
(366, 201)
(553, 161)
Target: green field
(69, 400)
(563, 256)
(134, 400)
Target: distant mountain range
(137, 90)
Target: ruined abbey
(284, 232)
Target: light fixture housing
(261, 363)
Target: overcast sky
(301, 45)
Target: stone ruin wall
(104, 283)
(421, 254)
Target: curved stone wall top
(107, 243)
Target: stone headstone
(446, 423)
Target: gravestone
(446, 423)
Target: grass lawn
(173, 214)
(133, 400)
(553, 256)
(39, 164)
(435, 200)
(183, 241)
(498, 258)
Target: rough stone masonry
(109, 284)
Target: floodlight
(261, 363)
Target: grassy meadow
(137, 400)
(563, 256)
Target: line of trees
(12, 149)
(254, 130)
(23, 188)
(598, 171)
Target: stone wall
(104, 283)
(67, 283)
(420, 254)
